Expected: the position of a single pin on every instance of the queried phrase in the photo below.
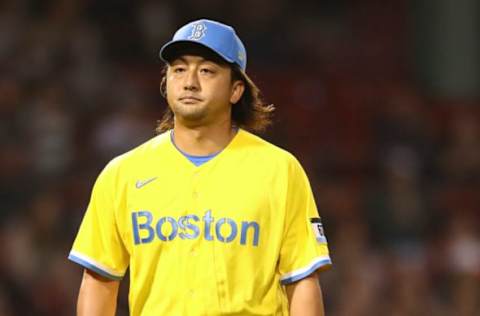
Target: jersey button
(195, 194)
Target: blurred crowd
(395, 171)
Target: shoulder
(271, 162)
(266, 151)
(140, 156)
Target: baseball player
(209, 218)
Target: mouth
(189, 99)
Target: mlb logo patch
(317, 228)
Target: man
(210, 219)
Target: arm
(305, 297)
(98, 295)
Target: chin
(190, 113)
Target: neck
(203, 140)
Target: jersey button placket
(196, 250)
(195, 202)
(195, 186)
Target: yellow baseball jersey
(219, 239)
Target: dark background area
(379, 100)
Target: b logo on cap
(198, 31)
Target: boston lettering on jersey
(188, 227)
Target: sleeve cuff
(302, 273)
(93, 265)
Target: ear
(238, 87)
(163, 86)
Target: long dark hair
(250, 112)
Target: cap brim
(172, 49)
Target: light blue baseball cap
(214, 35)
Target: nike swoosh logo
(139, 184)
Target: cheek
(170, 90)
(171, 94)
(220, 91)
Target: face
(200, 91)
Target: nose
(191, 81)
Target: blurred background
(379, 100)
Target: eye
(206, 70)
(178, 69)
